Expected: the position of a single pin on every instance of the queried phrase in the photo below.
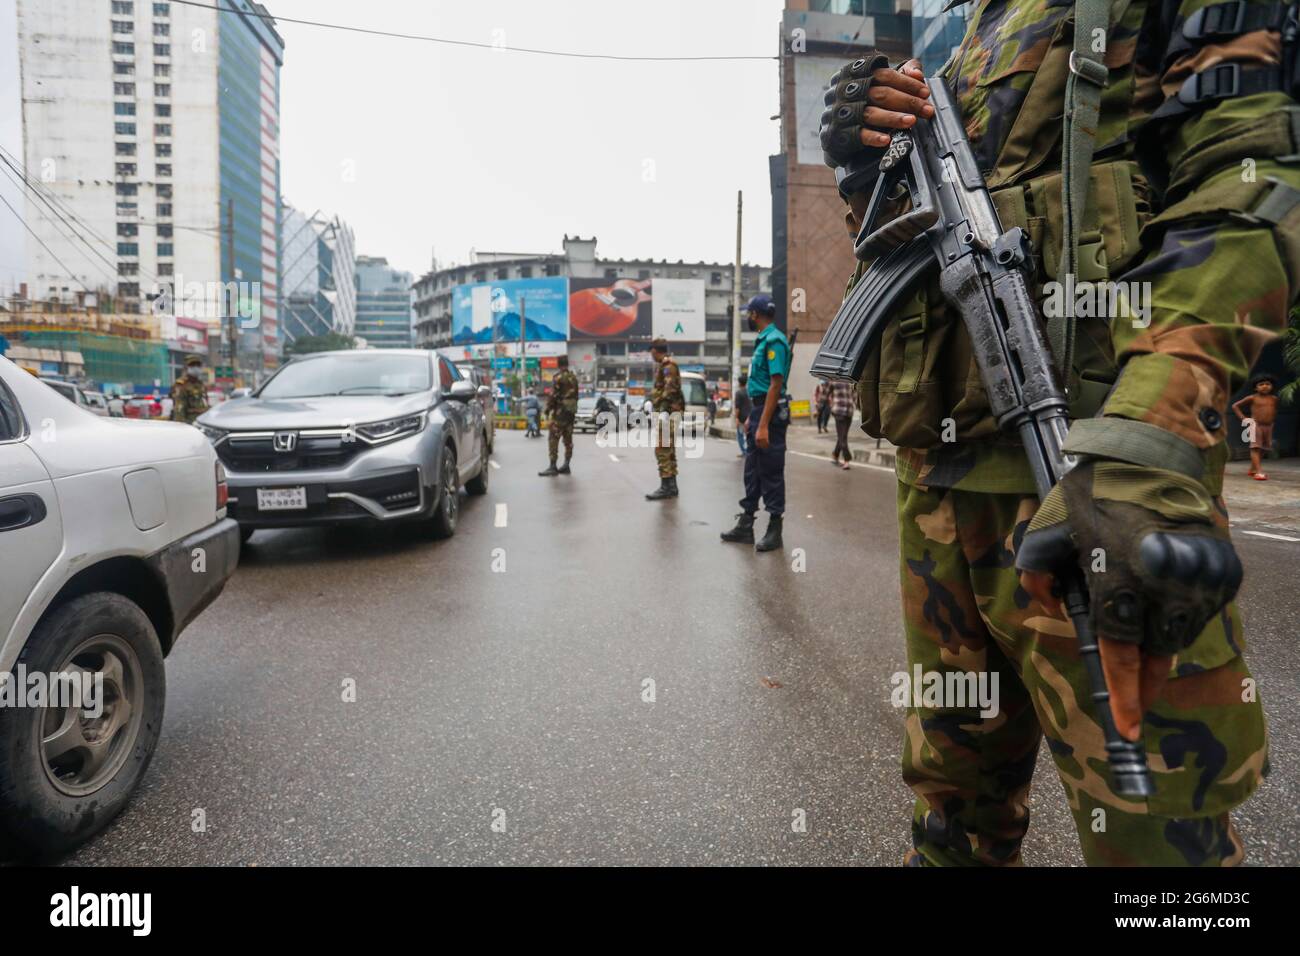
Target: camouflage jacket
(189, 399)
(1185, 206)
(564, 393)
(667, 394)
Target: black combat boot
(743, 532)
(550, 472)
(564, 469)
(667, 489)
(772, 539)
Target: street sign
(503, 363)
(532, 363)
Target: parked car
(113, 538)
(695, 391)
(587, 416)
(372, 435)
(143, 408)
(76, 395)
(96, 402)
(482, 379)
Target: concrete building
(812, 252)
(608, 362)
(153, 127)
(317, 275)
(384, 315)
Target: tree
(328, 342)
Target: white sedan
(113, 538)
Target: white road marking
(855, 464)
(493, 463)
(1275, 537)
(501, 514)
(613, 457)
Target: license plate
(281, 499)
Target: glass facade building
(250, 54)
(936, 33)
(383, 304)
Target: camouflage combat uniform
(189, 399)
(1170, 205)
(667, 399)
(562, 406)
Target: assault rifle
(952, 227)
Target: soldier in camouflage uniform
(190, 393)
(1193, 193)
(562, 406)
(668, 403)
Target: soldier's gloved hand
(1159, 567)
(865, 100)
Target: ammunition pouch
(1224, 21)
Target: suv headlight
(214, 435)
(392, 428)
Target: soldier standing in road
(765, 428)
(1156, 132)
(562, 406)
(189, 394)
(668, 404)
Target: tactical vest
(922, 374)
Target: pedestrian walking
(740, 412)
(841, 409)
(668, 403)
(532, 413)
(765, 428)
(822, 405)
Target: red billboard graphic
(609, 308)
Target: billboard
(489, 312)
(636, 308)
(677, 309)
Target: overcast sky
(431, 149)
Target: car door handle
(21, 511)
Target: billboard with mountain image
(488, 312)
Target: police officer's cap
(762, 304)
(660, 344)
(193, 360)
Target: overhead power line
(469, 43)
(71, 275)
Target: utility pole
(232, 318)
(735, 305)
(523, 343)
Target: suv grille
(257, 453)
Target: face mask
(192, 372)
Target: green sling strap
(1083, 89)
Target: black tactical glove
(842, 122)
(1169, 566)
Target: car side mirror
(484, 392)
(462, 391)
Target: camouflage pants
(965, 612)
(665, 451)
(561, 428)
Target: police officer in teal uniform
(765, 428)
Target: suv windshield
(363, 373)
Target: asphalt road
(516, 696)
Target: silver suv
(373, 435)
